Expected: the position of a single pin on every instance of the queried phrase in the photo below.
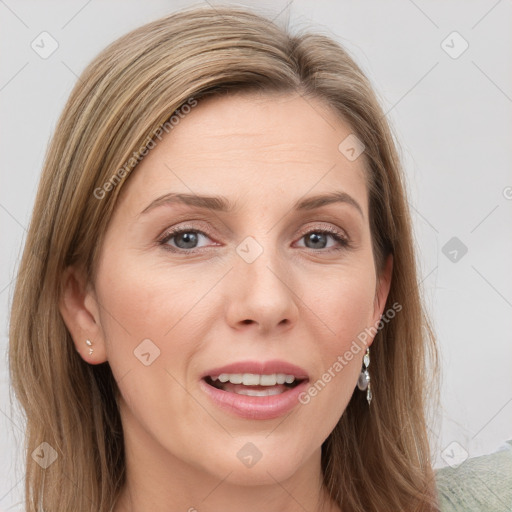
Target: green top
(479, 484)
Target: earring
(89, 344)
(364, 377)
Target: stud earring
(89, 344)
(363, 383)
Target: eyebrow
(222, 204)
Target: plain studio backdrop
(442, 71)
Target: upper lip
(259, 368)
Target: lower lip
(255, 407)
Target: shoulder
(482, 484)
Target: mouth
(252, 384)
(255, 390)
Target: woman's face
(257, 287)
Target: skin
(299, 302)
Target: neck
(221, 495)
(158, 481)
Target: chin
(262, 473)
(256, 462)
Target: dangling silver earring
(89, 344)
(364, 377)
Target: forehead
(251, 144)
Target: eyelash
(168, 235)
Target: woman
(217, 306)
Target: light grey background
(452, 118)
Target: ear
(382, 289)
(81, 313)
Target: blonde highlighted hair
(376, 459)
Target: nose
(262, 295)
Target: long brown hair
(376, 459)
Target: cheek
(150, 341)
(345, 306)
(141, 303)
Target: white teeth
(252, 379)
(263, 392)
(267, 380)
(234, 378)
